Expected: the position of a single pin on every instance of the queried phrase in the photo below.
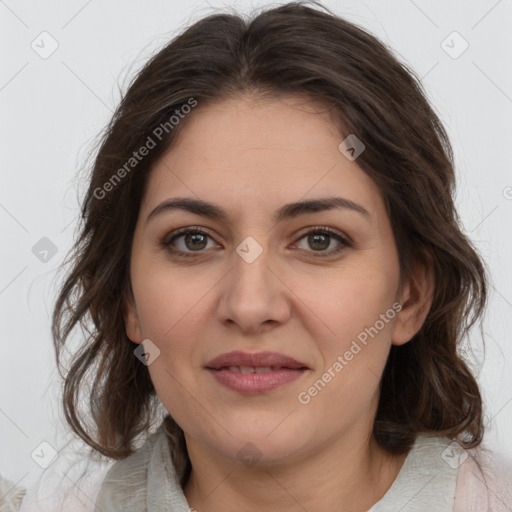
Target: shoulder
(79, 477)
(69, 484)
(440, 475)
(484, 482)
(124, 486)
(78, 482)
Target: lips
(254, 373)
(272, 360)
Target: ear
(416, 299)
(131, 319)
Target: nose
(254, 297)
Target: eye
(320, 238)
(193, 241)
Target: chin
(261, 441)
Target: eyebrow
(288, 211)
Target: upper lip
(239, 358)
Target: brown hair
(299, 50)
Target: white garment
(10, 495)
(437, 476)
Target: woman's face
(255, 281)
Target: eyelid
(317, 227)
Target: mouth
(252, 369)
(255, 373)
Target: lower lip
(256, 382)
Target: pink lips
(254, 373)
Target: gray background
(52, 109)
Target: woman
(270, 250)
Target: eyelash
(166, 243)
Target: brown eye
(186, 241)
(320, 239)
(194, 241)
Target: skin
(251, 156)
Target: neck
(345, 475)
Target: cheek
(342, 303)
(168, 299)
(353, 338)
(352, 356)
(180, 396)
(171, 314)
(174, 330)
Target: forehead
(249, 126)
(253, 152)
